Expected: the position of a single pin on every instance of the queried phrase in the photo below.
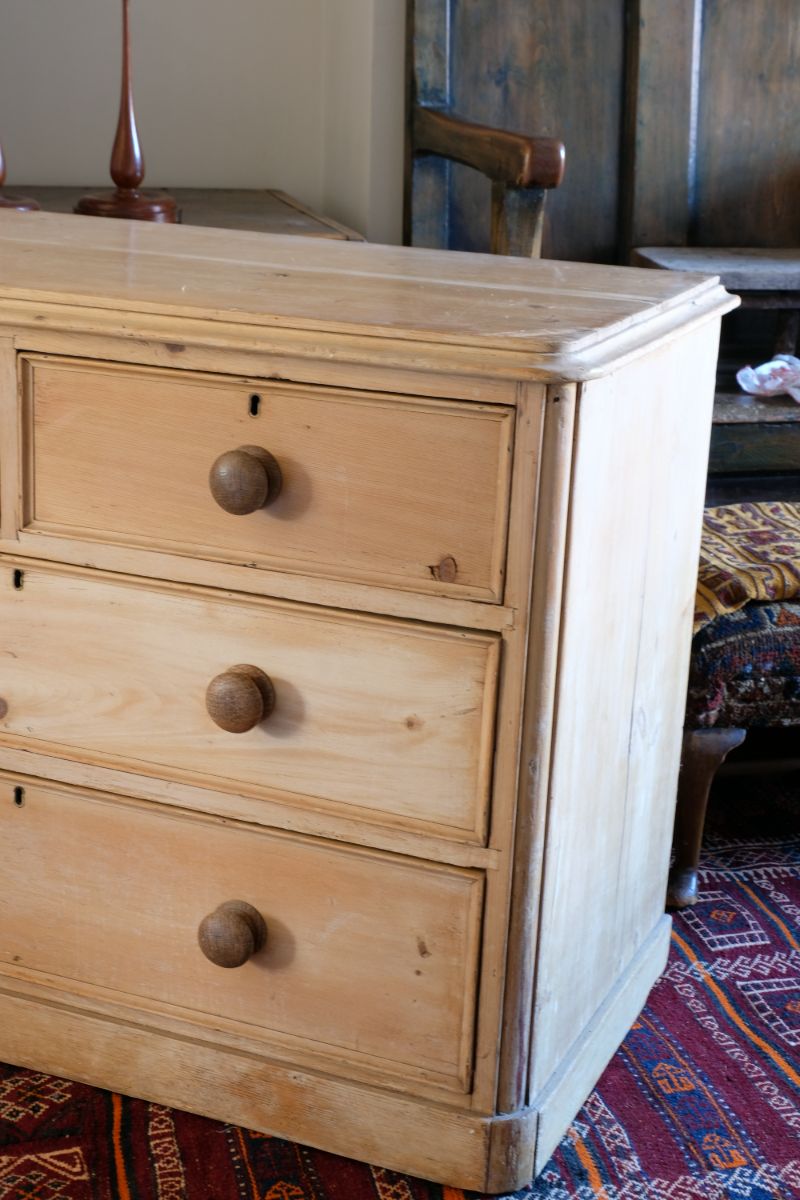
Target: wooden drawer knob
(232, 933)
(240, 698)
(244, 480)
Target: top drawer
(383, 489)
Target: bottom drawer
(369, 957)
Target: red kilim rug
(702, 1100)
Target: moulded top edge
(307, 284)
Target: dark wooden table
(755, 449)
(755, 441)
(263, 210)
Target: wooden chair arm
(510, 158)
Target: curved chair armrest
(510, 158)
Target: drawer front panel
(409, 494)
(369, 956)
(393, 720)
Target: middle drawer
(386, 719)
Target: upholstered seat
(745, 670)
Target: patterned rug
(702, 1100)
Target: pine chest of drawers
(345, 601)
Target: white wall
(363, 123)
(304, 95)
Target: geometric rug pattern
(702, 1101)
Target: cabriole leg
(704, 750)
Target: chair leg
(517, 220)
(704, 750)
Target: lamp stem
(127, 162)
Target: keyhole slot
(18, 578)
(19, 796)
(255, 404)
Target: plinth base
(20, 203)
(131, 204)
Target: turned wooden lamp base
(127, 163)
(20, 203)
(132, 204)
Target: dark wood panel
(659, 153)
(680, 118)
(537, 67)
(427, 180)
(755, 447)
(748, 147)
(553, 69)
(431, 22)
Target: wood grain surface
(659, 156)
(390, 719)
(262, 210)
(505, 65)
(740, 268)
(748, 141)
(112, 895)
(455, 822)
(373, 487)
(621, 700)
(271, 283)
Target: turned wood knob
(232, 933)
(244, 480)
(240, 698)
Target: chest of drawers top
(543, 319)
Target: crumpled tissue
(780, 376)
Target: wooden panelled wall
(681, 118)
